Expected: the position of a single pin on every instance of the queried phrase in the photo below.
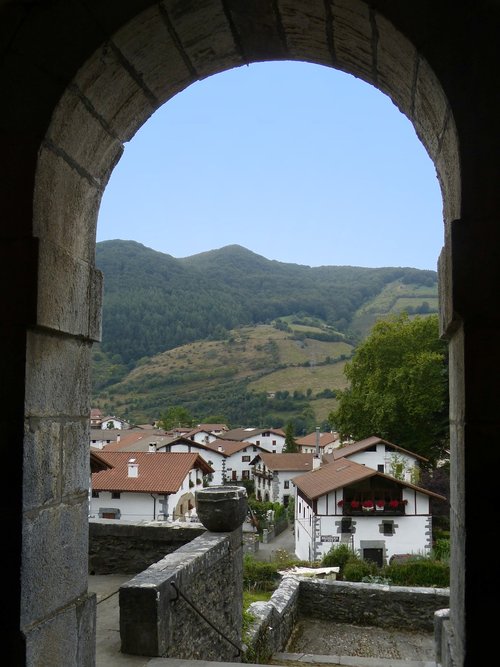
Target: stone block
(149, 46)
(430, 109)
(55, 553)
(306, 32)
(58, 379)
(79, 133)
(42, 463)
(66, 205)
(63, 291)
(352, 38)
(111, 87)
(67, 638)
(396, 65)
(205, 35)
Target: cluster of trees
(398, 387)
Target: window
(246, 459)
(286, 484)
(95, 494)
(381, 467)
(245, 474)
(388, 527)
(274, 443)
(346, 525)
(115, 494)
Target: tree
(398, 387)
(290, 443)
(175, 416)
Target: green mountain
(293, 318)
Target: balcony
(369, 507)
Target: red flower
(355, 504)
(380, 503)
(340, 503)
(368, 503)
(393, 504)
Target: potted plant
(368, 505)
(340, 503)
(380, 504)
(393, 504)
(355, 504)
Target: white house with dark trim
(346, 502)
(272, 474)
(383, 456)
(270, 439)
(231, 461)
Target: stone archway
(122, 64)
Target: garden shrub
(259, 575)
(338, 557)
(358, 569)
(418, 572)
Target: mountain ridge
(154, 302)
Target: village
(365, 494)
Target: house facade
(383, 456)
(231, 461)
(324, 442)
(147, 486)
(272, 474)
(375, 514)
(271, 440)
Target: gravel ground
(326, 638)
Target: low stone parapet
(188, 605)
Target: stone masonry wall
(121, 548)
(419, 609)
(377, 605)
(188, 605)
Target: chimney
(317, 457)
(133, 468)
(118, 436)
(152, 447)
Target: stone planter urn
(221, 509)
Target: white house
(231, 461)
(147, 486)
(273, 473)
(383, 456)
(376, 514)
(270, 439)
(325, 442)
(112, 422)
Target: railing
(394, 508)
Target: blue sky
(297, 162)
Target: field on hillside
(394, 298)
(264, 358)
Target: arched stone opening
(138, 65)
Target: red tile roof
(158, 472)
(229, 446)
(292, 461)
(324, 439)
(342, 473)
(360, 445)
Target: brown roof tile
(159, 472)
(291, 461)
(360, 445)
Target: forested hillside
(155, 303)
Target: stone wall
(273, 622)
(121, 548)
(188, 605)
(401, 607)
(418, 609)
